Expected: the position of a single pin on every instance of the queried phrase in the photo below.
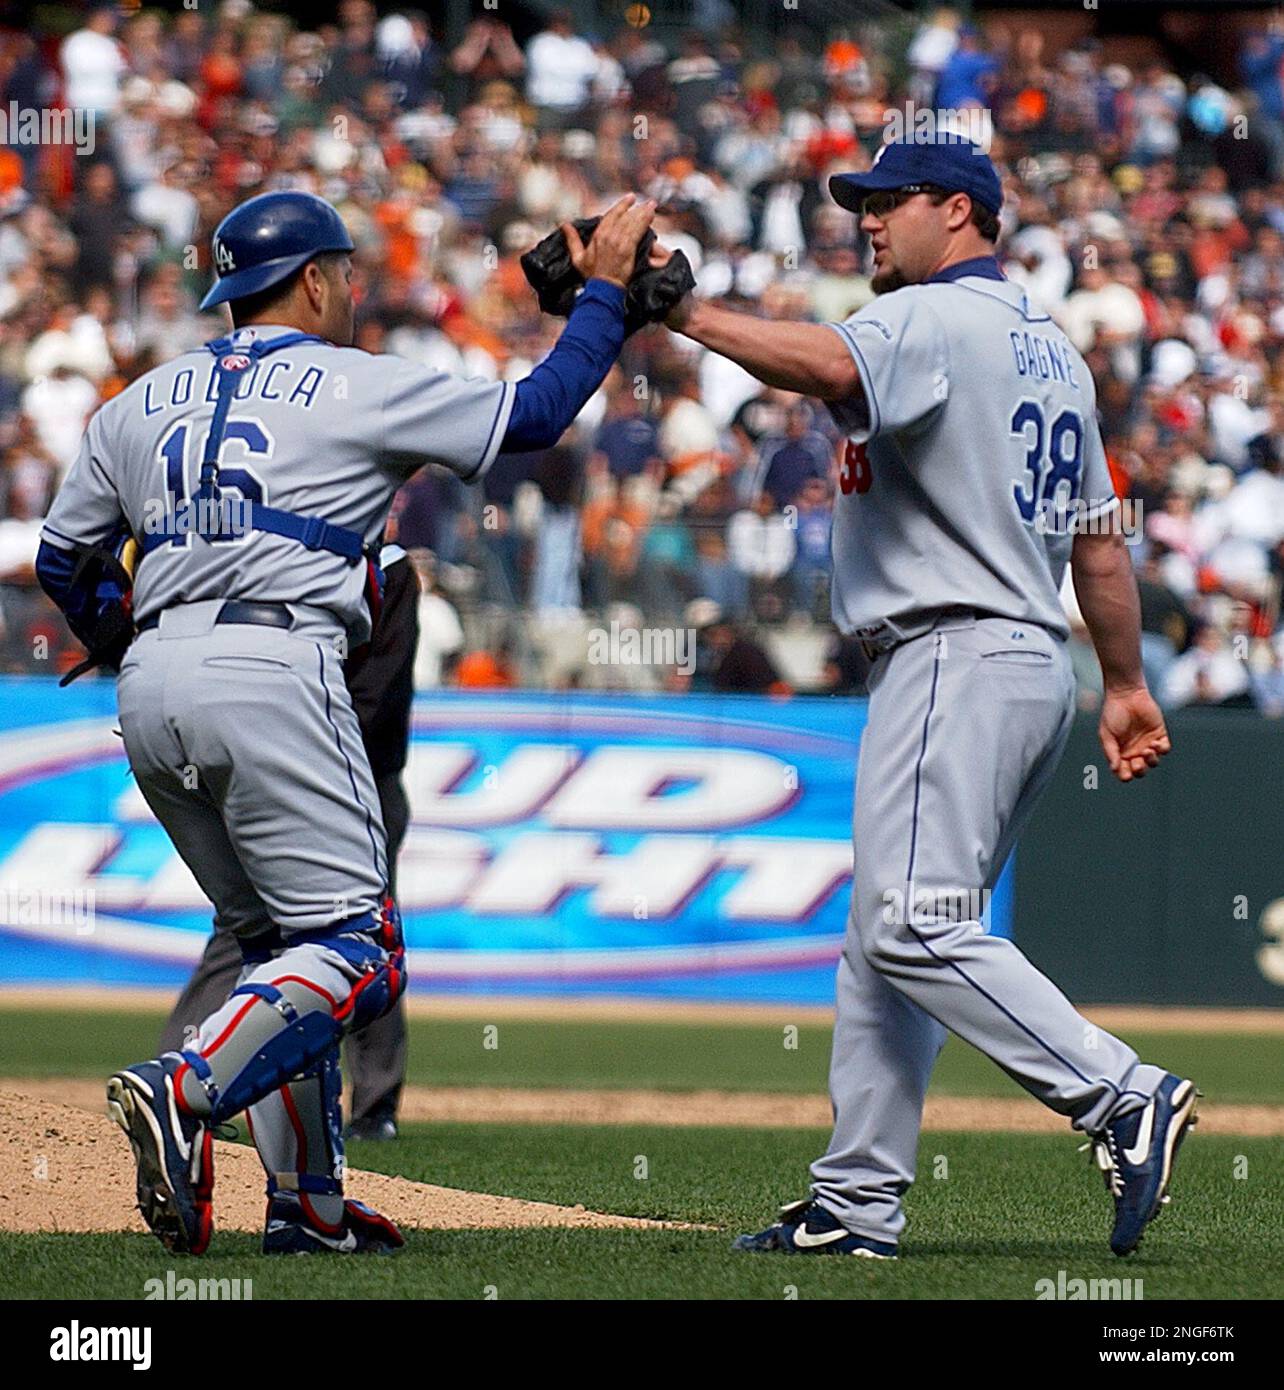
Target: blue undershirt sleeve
(54, 568)
(548, 400)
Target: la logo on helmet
(223, 258)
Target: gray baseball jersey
(242, 737)
(315, 429)
(973, 453)
(974, 447)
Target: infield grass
(1246, 1067)
(990, 1216)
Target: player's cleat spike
(362, 1231)
(173, 1153)
(806, 1228)
(1136, 1155)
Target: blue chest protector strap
(210, 519)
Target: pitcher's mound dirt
(65, 1169)
(738, 1109)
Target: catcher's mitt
(652, 291)
(100, 603)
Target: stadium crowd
(1144, 210)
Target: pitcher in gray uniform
(255, 476)
(972, 473)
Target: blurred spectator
(59, 405)
(810, 574)
(1104, 314)
(169, 205)
(167, 322)
(1262, 64)
(839, 288)
(441, 635)
(408, 57)
(487, 52)
(1144, 212)
(761, 545)
(695, 76)
(96, 219)
(627, 442)
(1267, 678)
(734, 663)
(788, 462)
(555, 584)
(1165, 625)
(929, 52)
(970, 74)
(717, 578)
(1208, 674)
(688, 437)
(561, 67)
(93, 64)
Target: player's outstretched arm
(548, 400)
(805, 357)
(1132, 731)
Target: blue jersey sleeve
(550, 398)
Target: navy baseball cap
(950, 161)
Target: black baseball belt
(876, 639)
(239, 610)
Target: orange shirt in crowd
(483, 671)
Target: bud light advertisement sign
(689, 847)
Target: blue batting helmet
(268, 238)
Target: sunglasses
(887, 200)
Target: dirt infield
(747, 1110)
(63, 1168)
(1115, 1018)
(738, 1109)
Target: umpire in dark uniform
(380, 680)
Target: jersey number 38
(854, 472)
(1053, 460)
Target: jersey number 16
(251, 434)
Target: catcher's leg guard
(298, 1136)
(287, 1013)
(298, 1133)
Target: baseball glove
(652, 291)
(100, 604)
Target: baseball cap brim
(848, 190)
(949, 161)
(261, 277)
(255, 278)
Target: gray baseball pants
(246, 746)
(374, 1058)
(966, 726)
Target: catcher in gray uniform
(972, 473)
(252, 479)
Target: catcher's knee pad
(322, 985)
(372, 945)
(285, 1052)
